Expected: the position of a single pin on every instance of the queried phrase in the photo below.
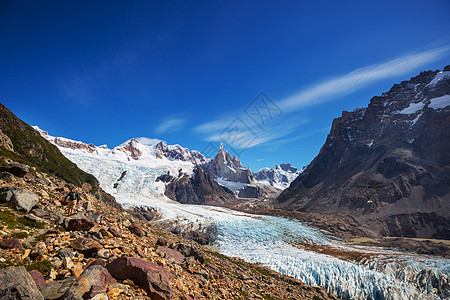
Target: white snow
(439, 76)
(234, 186)
(413, 122)
(440, 102)
(370, 144)
(412, 108)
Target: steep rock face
(131, 148)
(229, 168)
(176, 152)
(387, 164)
(198, 189)
(280, 176)
(5, 141)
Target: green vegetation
(32, 149)
(12, 221)
(20, 235)
(31, 223)
(264, 271)
(9, 219)
(38, 239)
(44, 266)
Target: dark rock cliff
(387, 164)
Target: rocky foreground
(103, 252)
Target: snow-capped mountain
(131, 149)
(279, 176)
(387, 164)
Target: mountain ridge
(386, 164)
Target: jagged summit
(176, 152)
(131, 149)
(279, 176)
(386, 164)
(229, 168)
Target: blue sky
(185, 71)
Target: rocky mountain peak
(279, 176)
(229, 168)
(176, 152)
(131, 147)
(67, 143)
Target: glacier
(271, 241)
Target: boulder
(67, 263)
(47, 214)
(56, 289)
(136, 230)
(43, 181)
(87, 246)
(171, 254)
(11, 244)
(17, 283)
(82, 224)
(189, 250)
(152, 277)
(29, 177)
(95, 277)
(18, 170)
(66, 252)
(20, 199)
(161, 242)
(114, 232)
(38, 250)
(37, 277)
(95, 261)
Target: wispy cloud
(171, 124)
(322, 92)
(349, 83)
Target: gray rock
(20, 199)
(39, 249)
(35, 218)
(92, 276)
(250, 191)
(43, 181)
(189, 250)
(47, 214)
(17, 283)
(56, 262)
(66, 252)
(56, 289)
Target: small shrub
(31, 223)
(43, 266)
(10, 219)
(38, 239)
(20, 235)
